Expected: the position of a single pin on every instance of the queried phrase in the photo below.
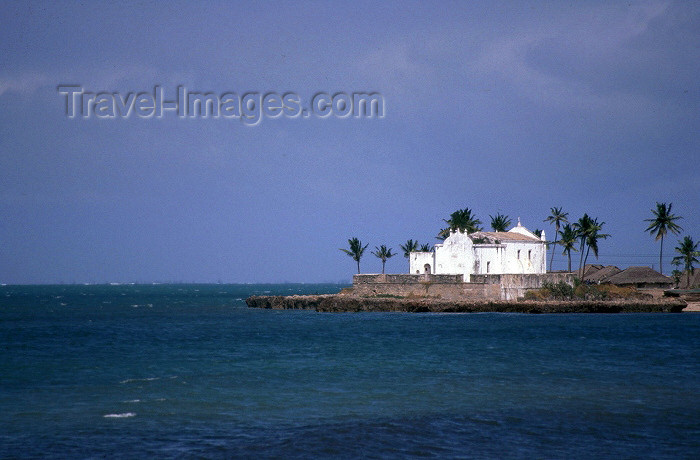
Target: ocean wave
(148, 379)
(122, 415)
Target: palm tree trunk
(569, 261)
(584, 262)
(554, 247)
(358, 267)
(580, 263)
(383, 263)
(661, 253)
(551, 259)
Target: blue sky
(510, 107)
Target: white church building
(517, 251)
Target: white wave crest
(123, 415)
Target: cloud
(116, 76)
(25, 83)
(394, 64)
(594, 59)
(132, 77)
(560, 63)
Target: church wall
(419, 260)
(488, 258)
(459, 255)
(531, 258)
(455, 255)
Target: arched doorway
(426, 267)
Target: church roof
(492, 237)
(523, 231)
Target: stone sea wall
(514, 286)
(448, 287)
(452, 287)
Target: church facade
(517, 251)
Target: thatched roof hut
(694, 280)
(640, 277)
(602, 275)
(589, 269)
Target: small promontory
(350, 303)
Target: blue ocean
(188, 371)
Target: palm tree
(384, 254)
(464, 221)
(592, 239)
(567, 240)
(689, 252)
(425, 247)
(500, 223)
(538, 233)
(356, 251)
(662, 223)
(583, 227)
(557, 217)
(409, 247)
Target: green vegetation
(662, 223)
(676, 274)
(462, 220)
(356, 251)
(560, 290)
(383, 253)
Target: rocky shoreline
(345, 303)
